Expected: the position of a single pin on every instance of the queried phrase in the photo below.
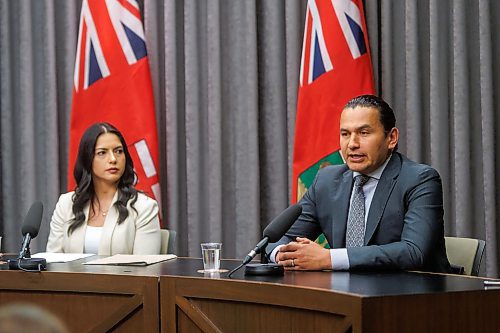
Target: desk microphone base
(264, 269)
(31, 264)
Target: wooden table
(89, 298)
(173, 297)
(324, 302)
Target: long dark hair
(85, 192)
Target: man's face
(363, 142)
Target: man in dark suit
(403, 224)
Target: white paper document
(131, 259)
(61, 257)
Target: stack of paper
(131, 259)
(61, 257)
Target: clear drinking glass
(210, 253)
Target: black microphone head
(281, 223)
(33, 219)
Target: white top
(92, 239)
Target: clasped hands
(303, 254)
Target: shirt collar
(377, 173)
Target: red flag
(112, 83)
(335, 67)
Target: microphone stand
(273, 232)
(26, 263)
(264, 268)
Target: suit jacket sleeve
(58, 223)
(147, 237)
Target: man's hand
(304, 254)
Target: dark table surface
(365, 284)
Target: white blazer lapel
(108, 228)
(77, 239)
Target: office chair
(167, 241)
(465, 254)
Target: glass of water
(210, 253)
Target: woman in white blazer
(105, 214)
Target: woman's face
(108, 164)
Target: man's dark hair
(386, 113)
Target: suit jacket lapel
(381, 196)
(342, 189)
(77, 239)
(108, 228)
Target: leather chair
(465, 254)
(167, 241)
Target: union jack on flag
(316, 49)
(126, 20)
(94, 66)
(128, 28)
(112, 83)
(351, 24)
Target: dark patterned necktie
(355, 233)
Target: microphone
(275, 230)
(30, 229)
(272, 233)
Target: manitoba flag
(112, 83)
(335, 67)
